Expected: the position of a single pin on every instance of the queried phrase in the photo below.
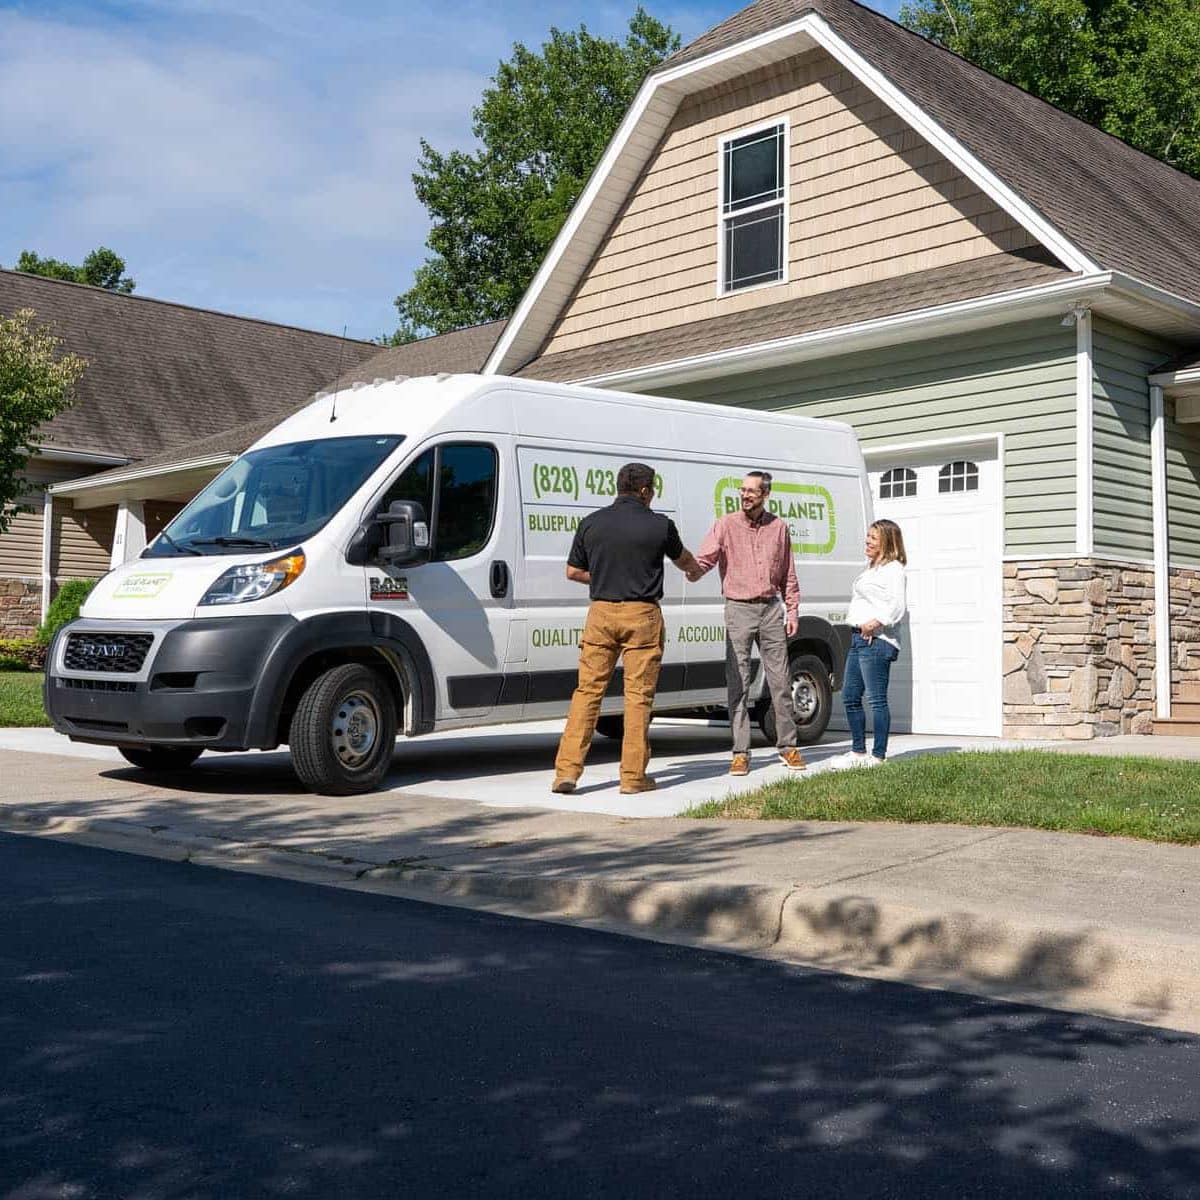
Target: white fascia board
(1150, 293)
(655, 105)
(1168, 379)
(75, 486)
(56, 454)
(1051, 298)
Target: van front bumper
(196, 686)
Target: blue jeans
(868, 667)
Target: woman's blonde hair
(891, 542)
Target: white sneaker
(849, 761)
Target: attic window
(753, 208)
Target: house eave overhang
(1106, 292)
(83, 457)
(1055, 299)
(141, 483)
(639, 135)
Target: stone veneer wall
(1079, 648)
(1185, 626)
(20, 608)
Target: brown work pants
(631, 631)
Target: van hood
(162, 588)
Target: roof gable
(1093, 201)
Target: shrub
(21, 654)
(64, 608)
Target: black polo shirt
(623, 547)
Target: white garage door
(948, 506)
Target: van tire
(161, 758)
(612, 726)
(343, 731)
(812, 695)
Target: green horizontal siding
(1121, 493)
(1018, 380)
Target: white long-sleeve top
(878, 595)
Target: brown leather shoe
(632, 789)
(563, 787)
(740, 765)
(792, 759)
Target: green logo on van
(806, 507)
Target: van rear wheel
(160, 758)
(343, 731)
(812, 700)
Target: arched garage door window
(960, 476)
(897, 483)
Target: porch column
(129, 536)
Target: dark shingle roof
(162, 375)
(888, 297)
(464, 350)
(1126, 210)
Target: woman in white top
(877, 606)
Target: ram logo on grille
(121, 652)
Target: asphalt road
(177, 1031)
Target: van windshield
(273, 497)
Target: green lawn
(1037, 789)
(21, 698)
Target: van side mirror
(406, 534)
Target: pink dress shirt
(755, 559)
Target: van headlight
(254, 581)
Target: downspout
(1084, 534)
(1162, 554)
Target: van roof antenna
(337, 381)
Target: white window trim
(781, 122)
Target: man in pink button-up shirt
(753, 550)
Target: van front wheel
(812, 700)
(343, 731)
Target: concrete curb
(1131, 975)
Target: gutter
(110, 478)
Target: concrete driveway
(510, 766)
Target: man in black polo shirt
(618, 552)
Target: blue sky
(250, 156)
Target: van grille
(118, 652)
(98, 685)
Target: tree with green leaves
(1129, 67)
(37, 381)
(542, 126)
(103, 268)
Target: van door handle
(499, 579)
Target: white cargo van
(392, 560)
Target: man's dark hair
(763, 477)
(632, 477)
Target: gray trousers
(747, 622)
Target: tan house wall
(83, 545)
(869, 200)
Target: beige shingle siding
(1122, 495)
(1018, 380)
(961, 281)
(82, 541)
(868, 201)
(21, 546)
(1124, 209)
